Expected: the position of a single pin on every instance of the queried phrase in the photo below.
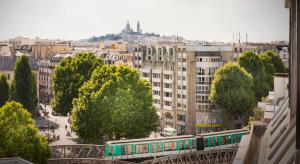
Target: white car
(168, 132)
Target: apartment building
(46, 71)
(181, 77)
(47, 49)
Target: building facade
(181, 77)
(46, 49)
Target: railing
(76, 151)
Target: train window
(217, 141)
(223, 140)
(128, 149)
(187, 144)
(193, 144)
(156, 147)
(182, 143)
(228, 139)
(110, 150)
(212, 141)
(205, 142)
(142, 148)
(123, 149)
(170, 146)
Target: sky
(211, 20)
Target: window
(170, 146)
(142, 148)
(167, 94)
(156, 75)
(180, 117)
(168, 77)
(156, 92)
(156, 101)
(183, 96)
(156, 84)
(184, 87)
(156, 147)
(126, 149)
(178, 95)
(178, 105)
(167, 103)
(169, 68)
(166, 85)
(183, 78)
(145, 74)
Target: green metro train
(143, 148)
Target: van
(168, 132)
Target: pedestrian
(66, 126)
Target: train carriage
(223, 139)
(144, 148)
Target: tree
(114, 103)
(69, 76)
(269, 68)
(231, 90)
(277, 62)
(18, 135)
(24, 89)
(4, 89)
(252, 64)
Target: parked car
(54, 113)
(168, 132)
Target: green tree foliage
(269, 68)
(277, 62)
(253, 64)
(18, 135)
(69, 76)
(4, 89)
(24, 89)
(114, 103)
(232, 91)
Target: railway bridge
(92, 154)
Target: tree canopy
(253, 64)
(69, 76)
(269, 68)
(114, 103)
(231, 90)
(18, 135)
(24, 85)
(277, 62)
(4, 89)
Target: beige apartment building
(181, 77)
(46, 49)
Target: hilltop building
(128, 30)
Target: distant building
(47, 49)
(46, 71)
(284, 55)
(113, 46)
(128, 30)
(7, 64)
